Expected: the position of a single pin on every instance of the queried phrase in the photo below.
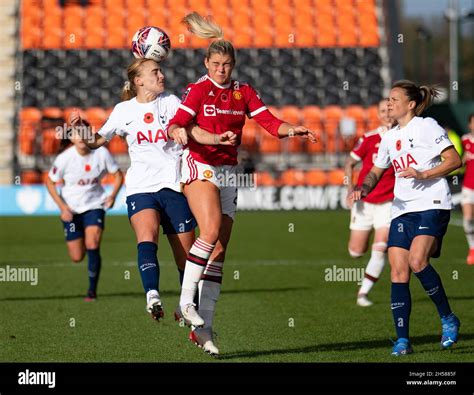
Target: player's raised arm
(92, 140)
(370, 181)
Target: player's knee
(77, 257)
(355, 252)
(209, 235)
(417, 262)
(92, 244)
(379, 246)
(399, 274)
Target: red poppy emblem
(399, 145)
(148, 117)
(87, 167)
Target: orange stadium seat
(269, 144)
(96, 117)
(291, 114)
(336, 177)
(158, 14)
(249, 135)
(108, 179)
(283, 22)
(30, 24)
(264, 179)
(31, 177)
(359, 115)
(325, 30)
(316, 177)
(221, 15)
(312, 116)
(243, 29)
(118, 146)
(262, 23)
(372, 118)
(304, 24)
(50, 142)
(136, 16)
(30, 114)
(52, 112)
(94, 27)
(52, 30)
(323, 6)
(293, 177)
(180, 37)
(73, 36)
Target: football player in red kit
(468, 188)
(217, 104)
(373, 211)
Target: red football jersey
(217, 109)
(366, 150)
(468, 147)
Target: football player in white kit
(373, 211)
(422, 155)
(154, 195)
(82, 201)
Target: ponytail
(423, 95)
(207, 28)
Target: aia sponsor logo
(403, 162)
(150, 137)
(88, 181)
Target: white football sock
(151, 293)
(195, 264)
(373, 270)
(469, 231)
(209, 291)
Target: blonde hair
(129, 91)
(423, 95)
(207, 28)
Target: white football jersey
(82, 190)
(154, 159)
(417, 145)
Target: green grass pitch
(275, 304)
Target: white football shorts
(467, 196)
(365, 216)
(219, 175)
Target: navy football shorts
(176, 216)
(406, 227)
(75, 229)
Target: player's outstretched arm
(92, 140)
(201, 136)
(66, 213)
(118, 181)
(288, 130)
(451, 161)
(370, 181)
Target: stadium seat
(316, 177)
(158, 14)
(96, 116)
(293, 177)
(49, 141)
(264, 179)
(52, 112)
(31, 177)
(73, 35)
(359, 115)
(117, 146)
(336, 177)
(94, 27)
(249, 135)
(372, 118)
